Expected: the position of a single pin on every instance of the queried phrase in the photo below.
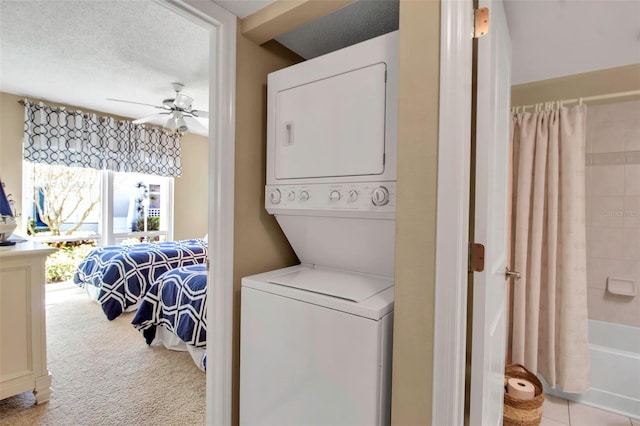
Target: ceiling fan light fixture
(183, 101)
(182, 125)
(178, 111)
(172, 123)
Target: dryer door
(332, 127)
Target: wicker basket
(519, 412)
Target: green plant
(33, 229)
(61, 265)
(153, 223)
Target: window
(140, 206)
(72, 203)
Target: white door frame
(452, 236)
(222, 87)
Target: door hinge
(481, 22)
(476, 257)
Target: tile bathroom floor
(560, 412)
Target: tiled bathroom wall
(613, 209)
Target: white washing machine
(315, 348)
(315, 340)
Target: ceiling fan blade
(137, 103)
(195, 125)
(149, 118)
(200, 114)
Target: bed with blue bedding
(119, 276)
(173, 312)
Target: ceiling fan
(180, 116)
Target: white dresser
(23, 349)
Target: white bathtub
(615, 369)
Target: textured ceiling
(356, 22)
(243, 8)
(83, 52)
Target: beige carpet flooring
(105, 374)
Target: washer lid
(344, 285)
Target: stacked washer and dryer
(316, 338)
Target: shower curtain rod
(580, 100)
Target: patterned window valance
(74, 138)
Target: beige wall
(601, 82)
(11, 131)
(416, 213)
(191, 190)
(190, 214)
(259, 244)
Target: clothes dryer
(315, 339)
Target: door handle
(288, 134)
(511, 274)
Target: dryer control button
(275, 196)
(304, 195)
(334, 195)
(292, 196)
(353, 196)
(380, 196)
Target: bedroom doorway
(222, 27)
(55, 52)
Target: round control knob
(380, 196)
(334, 195)
(353, 196)
(304, 195)
(292, 196)
(275, 196)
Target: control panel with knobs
(372, 197)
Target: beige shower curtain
(550, 329)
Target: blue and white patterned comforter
(123, 274)
(177, 300)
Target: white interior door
(491, 207)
